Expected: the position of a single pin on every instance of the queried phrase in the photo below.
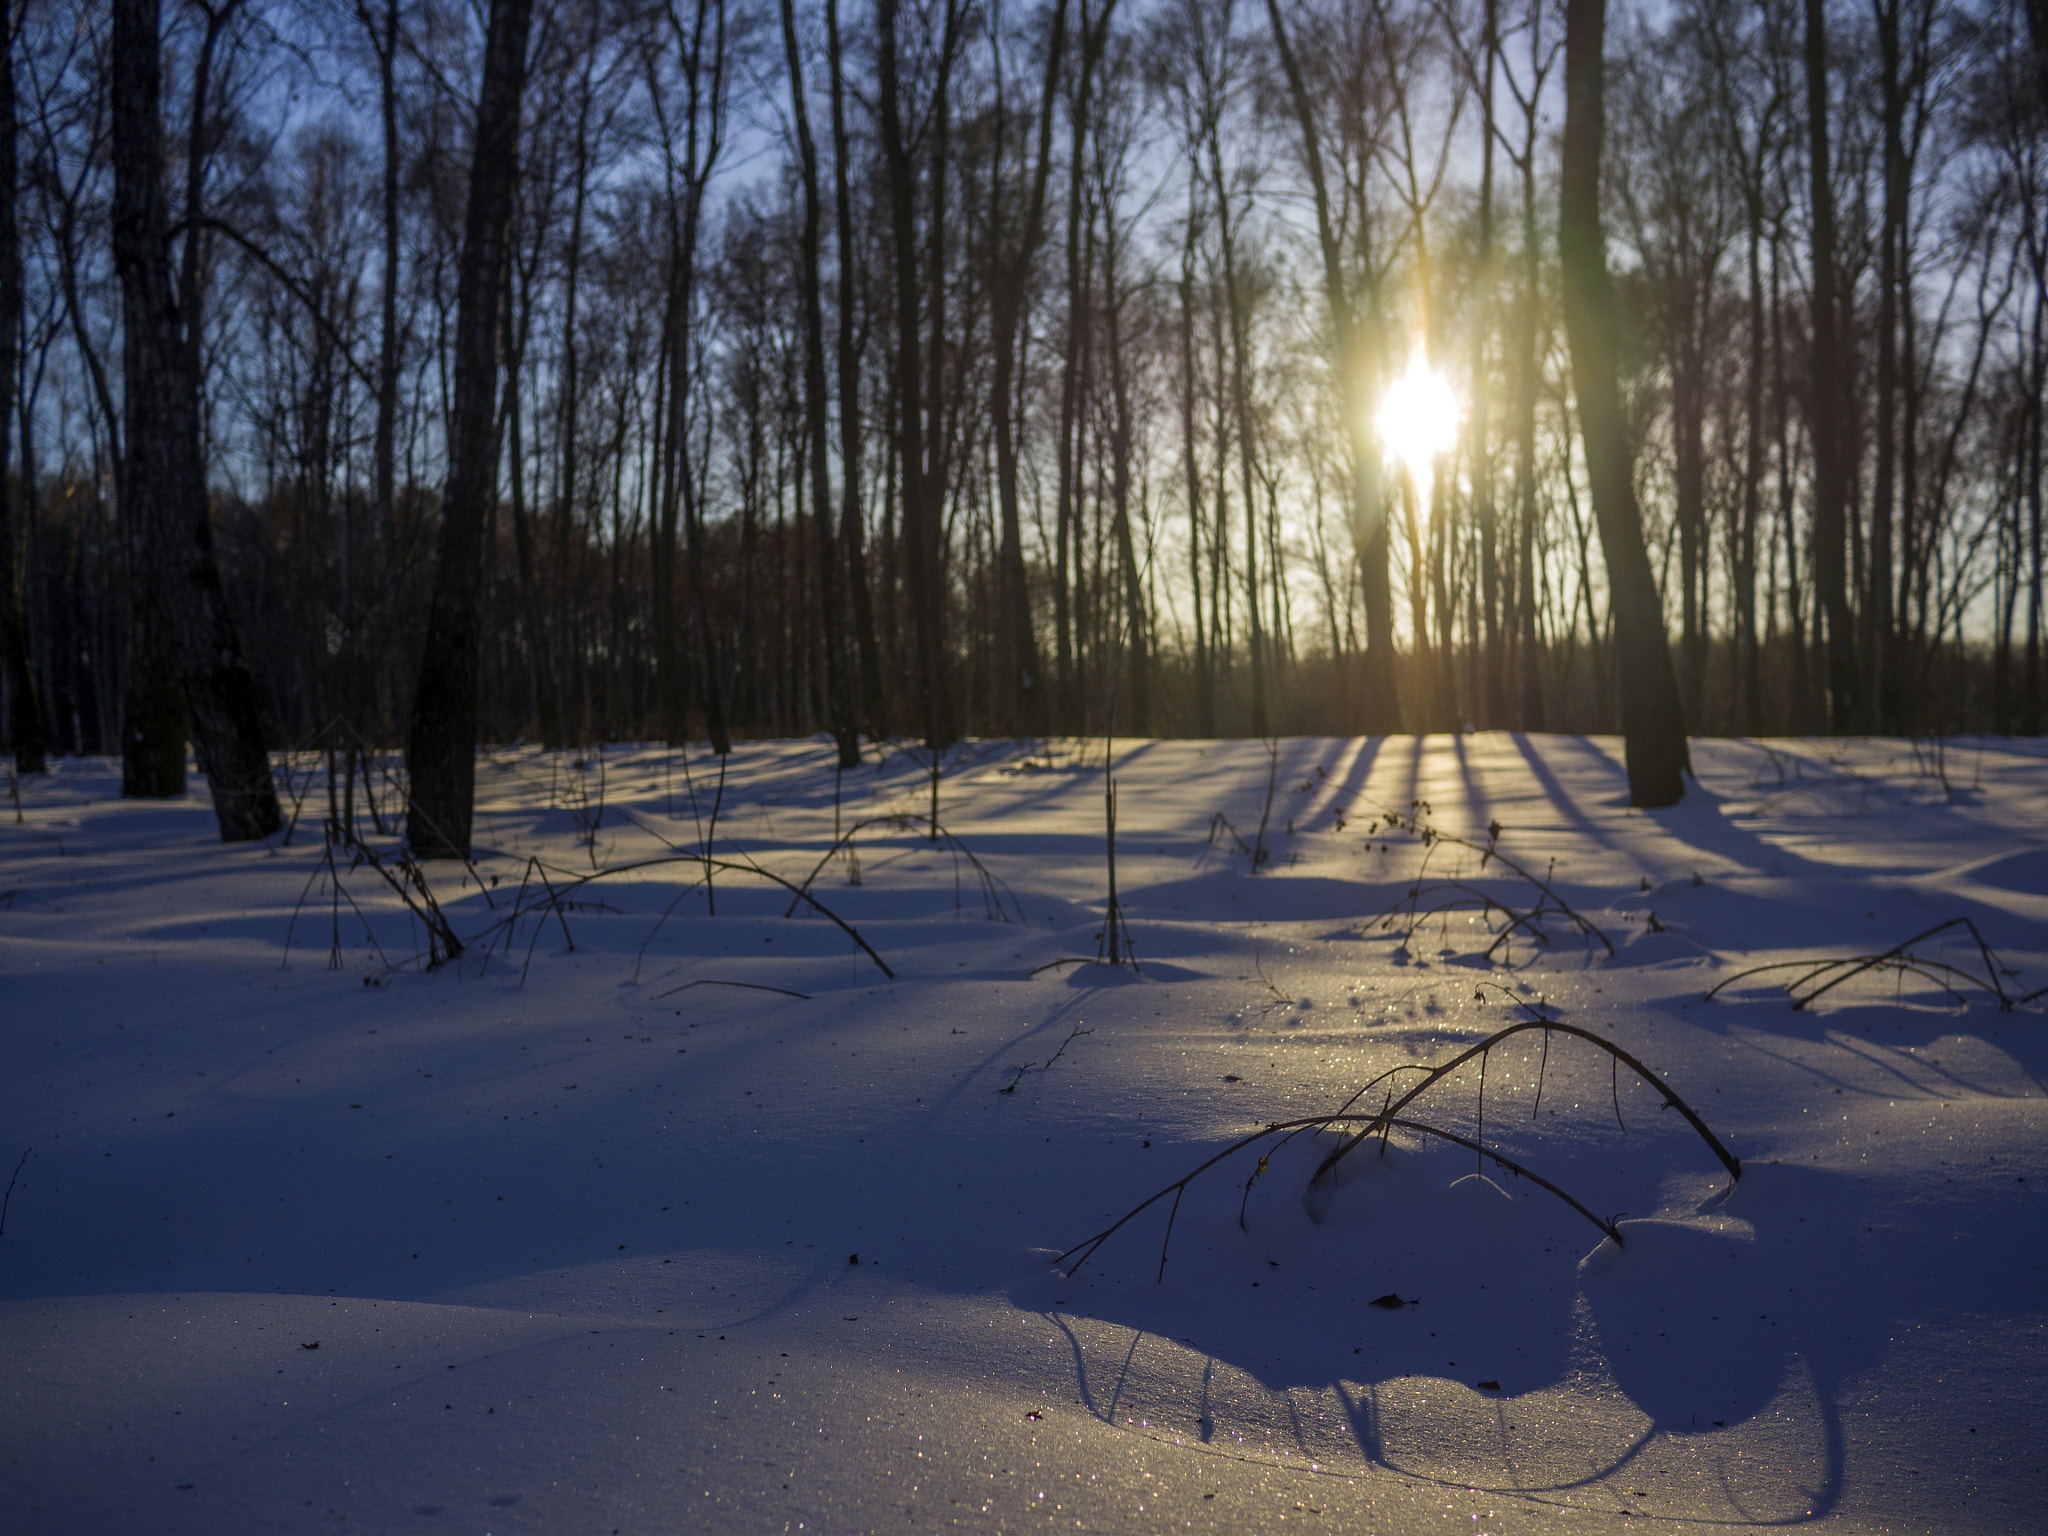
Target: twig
(996, 897)
(1065, 960)
(719, 981)
(1899, 957)
(1437, 1074)
(340, 893)
(743, 865)
(8, 1199)
(1465, 896)
(1055, 1056)
(1261, 854)
(1389, 1116)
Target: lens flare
(1418, 419)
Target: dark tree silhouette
(440, 752)
(1652, 719)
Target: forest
(604, 370)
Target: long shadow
(1767, 1307)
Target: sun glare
(1418, 419)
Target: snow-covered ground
(706, 1223)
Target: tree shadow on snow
(1500, 1366)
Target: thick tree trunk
(184, 614)
(1652, 719)
(440, 751)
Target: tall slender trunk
(1494, 689)
(1354, 336)
(1874, 637)
(24, 708)
(1020, 686)
(1689, 476)
(2035, 704)
(1237, 310)
(561, 649)
(1748, 662)
(1652, 719)
(918, 538)
(1530, 712)
(1066, 515)
(511, 431)
(440, 749)
(1137, 667)
(851, 530)
(701, 55)
(532, 624)
(1827, 407)
(1801, 682)
(817, 407)
(384, 442)
(1204, 684)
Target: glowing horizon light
(1419, 418)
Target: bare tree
(1652, 719)
(441, 742)
(180, 604)
(817, 406)
(25, 714)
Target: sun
(1418, 419)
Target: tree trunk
(1652, 719)
(817, 406)
(1827, 406)
(1204, 687)
(384, 450)
(25, 714)
(1136, 652)
(440, 751)
(851, 531)
(1020, 689)
(1748, 662)
(1241, 409)
(1493, 693)
(921, 514)
(183, 610)
(1531, 714)
(1369, 527)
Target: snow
(574, 1238)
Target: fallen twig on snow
(8, 1199)
(720, 981)
(1011, 1086)
(1389, 1117)
(1901, 958)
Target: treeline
(928, 367)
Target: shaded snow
(575, 1248)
